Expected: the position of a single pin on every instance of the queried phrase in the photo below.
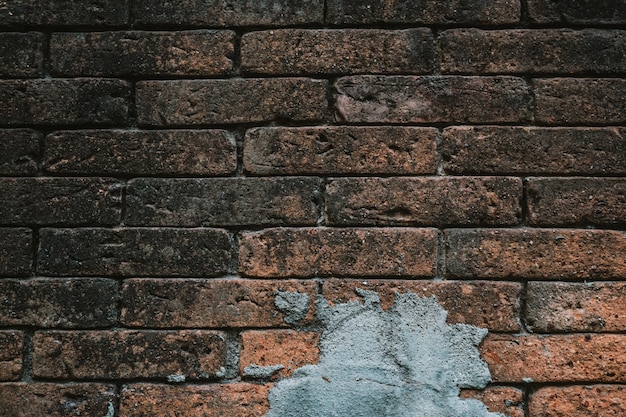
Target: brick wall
(168, 168)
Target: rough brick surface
(98, 13)
(21, 54)
(19, 151)
(508, 401)
(11, 345)
(579, 401)
(591, 12)
(16, 258)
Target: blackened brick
(11, 353)
(579, 401)
(98, 13)
(19, 151)
(577, 12)
(16, 252)
(21, 54)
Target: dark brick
(580, 101)
(560, 51)
(127, 354)
(309, 252)
(342, 51)
(576, 201)
(578, 12)
(21, 54)
(11, 346)
(135, 53)
(579, 401)
(16, 258)
(134, 252)
(62, 303)
(529, 150)
(430, 99)
(506, 400)
(99, 13)
(424, 201)
(19, 151)
(193, 102)
(164, 303)
(64, 102)
(555, 254)
(340, 150)
(63, 201)
(166, 152)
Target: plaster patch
(258, 372)
(402, 362)
(294, 305)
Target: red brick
(340, 51)
(167, 152)
(505, 400)
(212, 303)
(577, 12)
(19, 13)
(21, 54)
(536, 254)
(140, 53)
(11, 346)
(580, 101)
(309, 252)
(128, 354)
(232, 400)
(16, 257)
(424, 201)
(432, 99)
(576, 307)
(19, 151)
(579, 401)
(566, 358)
(340, 150)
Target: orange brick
(579, 401)
(504, 400)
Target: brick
(163, 303)
(16, 258)
(133, 252)
(11, 346)
(167, 152)
(553, 307)
(424, 201)
(98, 13)
(340, 150)
(127, 354)
(576, 201)
(140, 53)
(577, 12)
(194, 102)
(19, 151)
(549, 51)
(288, 348)
(222, 201)
(339, 51)
(233, 400)
(579, 401)
(56, 400)
(64, 102)
(580, 101)
(63, 201)
(536, 254)
(533, 150)
(505, 400)
(430, 12)
(21, 54)
(491, 305)
(60, 303)
(432, 99)
(220, 13)
(309, 252)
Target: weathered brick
(340, 150)
(340, 51)
(16, 257)
(11, 346)
(65, 201)
(288, 348)
(424, 201)
(64, 102)
(577, 12)
(163, 303)
(19, 13)
(429, 12)
(127, 354)
(166, 152)
(193, 102)
(506, 400)
(491, 305)
(56, 400)
(561, 51)
(21, 54)
(536, 254)
(232, 400)
(221, 13)
(222, 201)
(134, 252)
(580, 101)
(139, 53)
(431, 99)
(579, 401)
(575, 307)
(576, 201)
(563, 358)
(533, 150)
(309, 252)
(61, 303)
(19, 151)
